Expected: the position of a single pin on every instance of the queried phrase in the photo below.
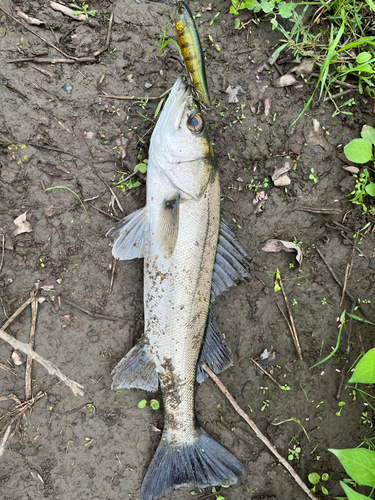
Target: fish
(190, 257)
(190, 45)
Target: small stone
(68, 88)
(148, 85)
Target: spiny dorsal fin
(230, 263)
(130, 236)
(168, 224)
(214, 353)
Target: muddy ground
(102, 451)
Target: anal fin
(130, 236)
(136, 371)
(217, 356)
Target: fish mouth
(179, 99)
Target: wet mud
(58, 129)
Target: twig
(8, 369)
(353, 243)
(333, 274)
(345, 281)
(21, 409)
(105, 213)
(2, 253)
(132, 98)
(93, 315)
(112, 275)
(43, 71)
(4, 440)
(29, 361)
(286, 319)
(51, 60)
(50, 367)
(68, 12)
(346, 354)
(340, 94)
(109, 29)
(316, 210)
(266, 373)
(258, 433)
(19, 310)
(295, 336)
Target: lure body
(191, 49)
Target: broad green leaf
(286, 9)
(314, 478)
(358, 151)
(370, 189)
(142, 403)
(266, 7)
(364, 372)
(154, 403)
(351, 494)
(359, 464)
(363, 57)
(368, 133)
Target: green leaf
(142, 167)
(157, 110)
(358, 151)
(358, 318)
(142, 403)
(324, 491)
(154, 404)
(364, 372)
(351, 494)
(370, 189)
(368, 133)
(359, 464)
(286, 9)
(325, 477)
(363, 57)
(314, 478)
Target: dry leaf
(275, 246)
(317, 137)
(28, 19)
(305, 68)
(283, 180)
(233, 91)
(283, 167)
(18, 358)
(22, 225)
(284, 81)
(352, 170)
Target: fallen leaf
(18, 358)
(317, 137)
(57, 172)
(283, 180)
(352, 170)
(28, 19)
(295, 145)
(155, 429)
(232, 92)
(22, 225)
(49, 211)
(123, 142)
(209, 7)
(275, 246)
(267, 107)
(305, 68)
(284, 81)
(283, 167)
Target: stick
(97, 316)
(29, 361)
(51, 60)
(109, 29)
(286, 319)
(346, 355)
(131, 98)
(68, 12)
(105, 213)
(50, 367)
(112, 275)
(3, 442)
(19, 310)
(333, 274)
(2, 253)
(295, 337)
(41, 70)
(345, 281)
(259, 435)
(266, 373)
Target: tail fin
(198, 464)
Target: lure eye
(180, 10)
(195, 123)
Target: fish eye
(195, 123)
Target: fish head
(180, 144)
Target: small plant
(83, 9)
(361, 151)
(153, 403)
(163, 42)
(266, 404)
(294, 302)
(324, 301)
(294, 453)
(312, 176)
(315, 479)
(341, 406)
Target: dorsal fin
(230, 263)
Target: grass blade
(65, 187)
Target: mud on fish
(190, 258)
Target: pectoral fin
(168, 224)
(130, 236)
